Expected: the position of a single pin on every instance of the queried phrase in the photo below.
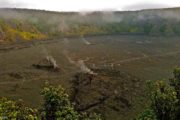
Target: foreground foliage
(165, 99)
(56, 106)
(10, 110)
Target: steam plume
(85, 41)
(49, 58)
(80, 64)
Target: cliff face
(13, 30)
(22, 24)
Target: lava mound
(109, 90)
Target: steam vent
(48, 63)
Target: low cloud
(11, 4)
(141, 6)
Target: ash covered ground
(106, 74)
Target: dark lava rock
(111, 89)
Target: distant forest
(22, 24)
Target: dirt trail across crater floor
(148, 57)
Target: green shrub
(165, 99)
(175, 83)
(148, 114)
(57, 105)
(10, 110)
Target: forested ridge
(22, 24)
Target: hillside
(23, 24)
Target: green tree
(57, 105)
(175, 83)
(163, 100)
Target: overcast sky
(89, 5)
